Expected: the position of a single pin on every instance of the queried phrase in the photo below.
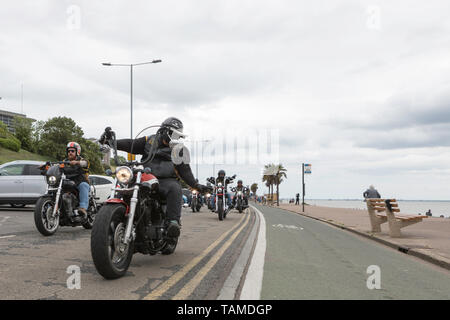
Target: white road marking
(287, 226)
(5, 237)
(251, 289)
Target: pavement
(428, 240)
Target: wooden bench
(382, 210)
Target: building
(7, 117)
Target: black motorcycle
(132, 220)
(57, 207)
(196, 202)
(220, 193)
(239, 199)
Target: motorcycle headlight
(208, 195)
(219, 184)
(194, 191)
(124, 175)
(239, 193)
(52, 180)
(219, 190)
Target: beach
(429, 238)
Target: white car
(102, 186)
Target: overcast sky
(359, 89)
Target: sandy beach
(429, 238)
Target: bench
(382, 210)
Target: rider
(78, 171)
(240, 187)
(156, 150)
(221, 178)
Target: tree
(52, 138)
(55, 134)
(278, 179)
(253, 188)
(24, 133)
(91, 152)
(268, 177)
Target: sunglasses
(71, 151)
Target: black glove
(104, 138)
(202, 188)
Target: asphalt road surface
(308, 259)
(294, 257)
(36, 267)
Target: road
(35, 267)
(308, 259)
(294, 257)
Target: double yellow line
(187, 290)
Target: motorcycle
(132, 220)
(220, 191)
(195, 201)
(56, 207)
(239, 199)
(208, 200)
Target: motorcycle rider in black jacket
(156, 150)
(221, 178)
(240, 187)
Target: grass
(9, 155)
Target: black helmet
(239, 182)
(173, 123)
(171, 129)
(221, 172)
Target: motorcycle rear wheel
(111, 256)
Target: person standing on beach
(297, 199)
(371, 193)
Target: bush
(11, 144)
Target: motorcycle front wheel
(111, 255)
(220, 209)
(45, 223)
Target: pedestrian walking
(297, 199)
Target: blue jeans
(83, 189)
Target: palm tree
(269, 177)
(278, 178)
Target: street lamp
(131, 82)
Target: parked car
(102, 186)
(21, 183)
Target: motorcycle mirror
(108, 172)
(147, 170)
(108, 129)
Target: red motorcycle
(131, 221)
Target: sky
(358, 89)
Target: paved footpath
(309, 259)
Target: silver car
(21, 182)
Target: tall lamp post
(131, 65)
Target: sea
(437, 208)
